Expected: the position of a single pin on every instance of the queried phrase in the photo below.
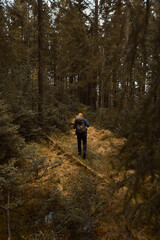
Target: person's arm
(74, 125)
(86, 123)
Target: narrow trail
(101, 146)
(83, 186)
(79, 162)
(78, 193)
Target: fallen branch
(79, 162)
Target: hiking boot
(84, 155)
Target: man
(81, 124)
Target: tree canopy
(57, 57)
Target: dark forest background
(56, 57)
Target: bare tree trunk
(144, 45)
(8, 219)
(40, 58)
(95, 51)
(7, 210)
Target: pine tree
(10, 141)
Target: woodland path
(102, 145)
(84, 186)
(81, 190)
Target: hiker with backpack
(81, 124)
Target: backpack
(80, 126)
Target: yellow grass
(72, 175)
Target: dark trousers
(84, 139)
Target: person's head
(80, 114)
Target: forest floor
(84, 188)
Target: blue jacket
(85, 122)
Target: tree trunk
(95, 52)
(40, 58)
(144, 46)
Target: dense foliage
(56, 55)
(140, 156)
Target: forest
(59, 58)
